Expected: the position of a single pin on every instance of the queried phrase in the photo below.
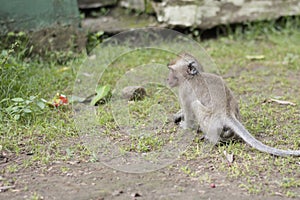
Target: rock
(136, 194)
(117, 192)
(203, 14)
(134, 93)
(207, 14)
(143, 6)
(118, 20)
(86, 4)
(57, 38)
(133, 4)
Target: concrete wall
(20, 15)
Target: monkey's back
(221, 97)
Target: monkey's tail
(241, 131)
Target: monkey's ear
(192, 68)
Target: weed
(188, 171)
(205, 178)
(36, 196)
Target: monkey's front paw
(178, 117)
(186, 125)
(183, 125)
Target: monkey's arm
(190, 121)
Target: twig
(4, 188)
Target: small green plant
(64, 169)
(36, 196)
(205, 178)
(12, 168)
(188, 171)
(93, 40)
(19, 42)
(21, 108)
(145, 144)
(291, 194)
(290, 182)
(93, 157)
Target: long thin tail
(240, 130)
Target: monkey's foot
(183, 125)
(178, 117)
(187, 125)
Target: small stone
(212, 185)
(133, 93)
(136, 194)
(117, 192)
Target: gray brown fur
(207, 103)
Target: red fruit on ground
(63, 99)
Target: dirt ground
(96, 181)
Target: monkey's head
(182, 68)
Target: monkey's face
(181, 70)
(173, 79)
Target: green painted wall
(27, 15)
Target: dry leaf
(281, 102)
(229, 157)
(255, 57)
(63, 69)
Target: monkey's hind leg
(188, 123)
(214, 131)
(227, 133)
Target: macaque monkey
(208, 104)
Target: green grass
(45, 135)
(30, 129)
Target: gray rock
(209, 13)
(134, 93)
(117, 21)
(139, 5)
(133, 4)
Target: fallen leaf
(101, 93)
(117, 193)
(92, 57)
(4, 188)
(281, 102)
(255, 57)
(229, 157)
(87, 74)
(73, 162)
(63, 69)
